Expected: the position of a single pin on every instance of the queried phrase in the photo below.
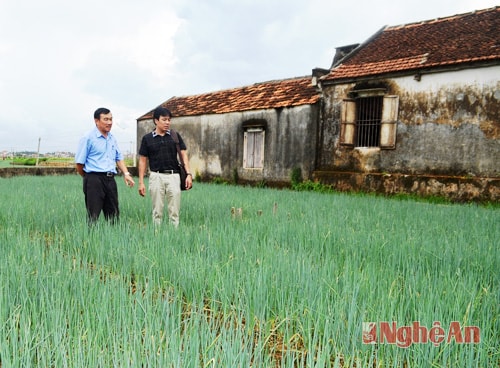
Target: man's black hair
(99, 111)
(161, 111)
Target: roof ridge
(281, 80)
(460, 41)
(441, 19)
(272, 81)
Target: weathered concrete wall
(447, 140)
(448, 124)
(8, 172)
(454, 188)
(215, 142)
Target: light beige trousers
(165, 187)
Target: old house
(414, 109)
(258, 133)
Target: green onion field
(292, 279)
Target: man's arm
(189, 178)
(143, 161)
(79, 169)
(126, 175)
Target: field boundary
(9, 172)
(460, 189)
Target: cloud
(60, 60)
(64, 60)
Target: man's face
(104, 123)
(163, 123)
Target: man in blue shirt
(96, 159)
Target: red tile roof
(266, 95)
(465, 38)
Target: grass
(288, 283)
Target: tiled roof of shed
(465, 38)
(266, 95)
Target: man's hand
(189, 181)
(142, 189)
(129, 180)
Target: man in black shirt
(164, 180)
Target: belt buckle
(110, 174)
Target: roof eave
(149, 115)
(411, 72)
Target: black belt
(108, 174)
(167, 172)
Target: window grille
(368, 121)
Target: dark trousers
(101, 194)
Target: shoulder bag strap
(173, 133)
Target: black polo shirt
(161, 151)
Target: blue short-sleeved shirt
(98, 153)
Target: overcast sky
(60, 59)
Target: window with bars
(369, 121)
(253, 149)
(368, 118)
